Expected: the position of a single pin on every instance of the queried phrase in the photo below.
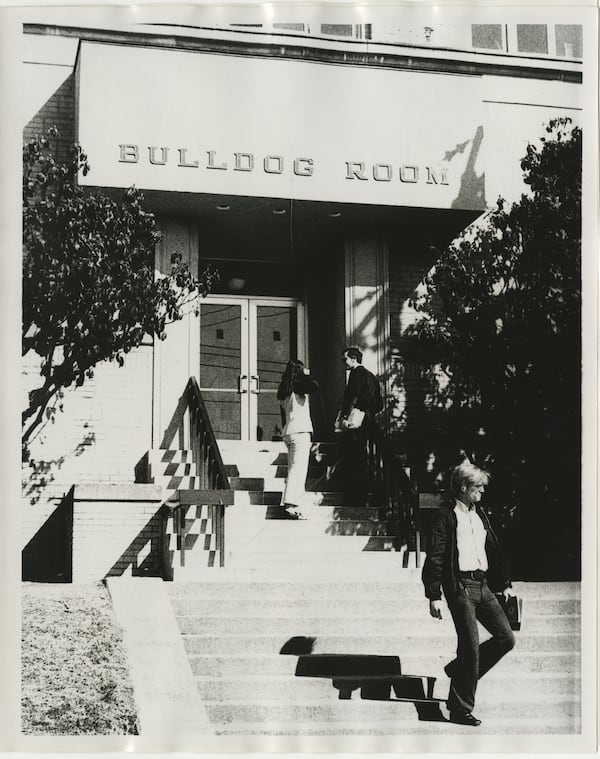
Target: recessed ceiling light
(223, 208)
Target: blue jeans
(475, 602)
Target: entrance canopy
(274, 230)
(197, 122)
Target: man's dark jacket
(362, 392)
(440, 571)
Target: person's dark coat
(362, 392)
(440, 571)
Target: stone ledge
(116, 491)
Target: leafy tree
(500, 333)
(89, 289)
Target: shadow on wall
(43, 473)
(59, 111)
(143, 556)
(48, 555)
(472, 186)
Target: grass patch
(75, 679)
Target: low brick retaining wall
(116, 530)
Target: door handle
(256, 379)
(241, 379)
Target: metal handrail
(393, 489)
(191, 425)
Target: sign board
(196, 122)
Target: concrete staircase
(249, 641)
(319, 627)
(336, 529)
(257, 536)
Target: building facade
(320, 168)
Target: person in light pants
(293, 394)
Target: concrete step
(298, 569)
(309, 639)
(254, 482)
(256, 497)
(551, 598)
(331, 498)
(258, 468)
(321, 513)
(241, 456)
(392, 635)
(270, 446)
(313, 727)
(369, 712)
(251, 445)
(278, 528)
(516, 663)
(291, 541)
(309, 689)
(506, 675)
(265, 456)
(244, 455)
(312, 566)
(396, 618)
(242, 469)
(403, 611)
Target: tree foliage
(89, 287)
(500, 322)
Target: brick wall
(116, 530)
(58, 111)
(104, 429)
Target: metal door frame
(249, 386)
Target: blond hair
(467, 474)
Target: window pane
(532, 38)
(339, 30)
(220, 345)
(290, 27)
(569, 40)
(488, 36)
(224, 413)
(277, 343)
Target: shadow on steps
(379, 678)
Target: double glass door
(245, 344)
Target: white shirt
(297, 414)
(470, 539)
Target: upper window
(488, 36)
(290, 27)
(532, 38)
(339, 30)
(569, 40)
